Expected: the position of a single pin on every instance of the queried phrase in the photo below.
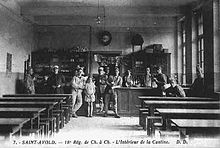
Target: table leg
(38, 121)
(149, 123)
(168, 124)
(31, 123)
(182, 133)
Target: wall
(159, 31)
(209, 47)
(216, 29)
(121, 40)
(188, 26)
(62, 36)
(210, 11)
(179, 53)
(16, 37)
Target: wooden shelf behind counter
(128, 99)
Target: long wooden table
(168, 114)
(27, 104)
(156, 98)
(37, 99)
(64, 104)
(153, 104)
(10, 126)
(60, 101)
(46, 117)
(30, 113)
(181, 104)
(187, 125)
(159, 98)
(67, 102)
(189, 113)
(68, 97)
(37, 95)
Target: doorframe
(117, 53)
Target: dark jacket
(198, 88)
(29, 84)
(54, 81)
(162, 79)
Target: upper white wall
(16, 37)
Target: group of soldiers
(106, 85)
(104, 82)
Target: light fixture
(98, 17)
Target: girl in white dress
(89, 95)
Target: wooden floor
(112, 129)
(103, 127)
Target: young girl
(90, 95)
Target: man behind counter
(161, 81)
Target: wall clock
(105, 38)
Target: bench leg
(57, 116)
(62, 120)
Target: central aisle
(102, 128)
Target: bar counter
(128, 99)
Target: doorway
(105, 59)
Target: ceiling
(50, 10)
(129, 3)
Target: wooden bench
(143, 113)
(201, 125)
(152, 104)
(44, 116)
(32, 113)
(155, 98)
(34, 132)
(46, 124)
(181, 104)
(59, 100)
(158, 98)
(10, 126)
(67, 101)
(168, 114)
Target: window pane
(202, 56)
(202, 44)
(184, 50)
(201, 28)
(184, 36)
(184, 69)
(200, 24)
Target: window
(9, 63)
(200, 41)
(183, 41)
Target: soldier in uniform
(56, 81)
(29, 82)
(78, 84)
(101, 85)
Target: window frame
(200, 40)
(183, 49)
